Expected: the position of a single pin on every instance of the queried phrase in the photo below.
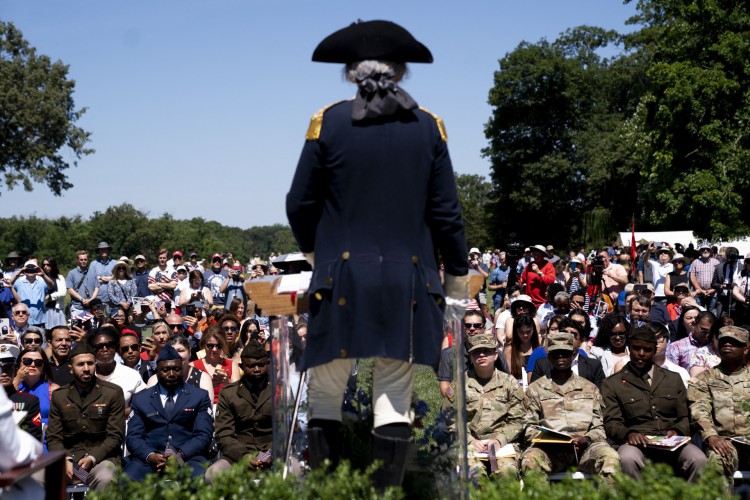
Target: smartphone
(147, 332)
(188, 310)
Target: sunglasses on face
(109, 345)
(179, 327)
(36, 362)
(32, 340)
(131, 347)
(473, 325)
(213, 346)
(259, 364)
(20, 313)
(232, 329)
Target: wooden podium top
(264, 292)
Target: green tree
(696, 114)
(37, 116)
(559, 136)
(475, 194)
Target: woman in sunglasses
(192, 376)
(231, 327)
(105, 342)
(216, 364)
(35, 375)
(33, 339)
(611, 342)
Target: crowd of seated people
(152, 364)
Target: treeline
(132, 232)
(597, 127)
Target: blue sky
(199, 108)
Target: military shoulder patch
(440, 124)
(316, 123)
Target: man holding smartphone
(32, 291)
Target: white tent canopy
(683, 237)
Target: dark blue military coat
(377, 202)
(190, 424)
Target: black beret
(643, 333)
(254, 350)
(168, 353)
(379, 40)
(80, 348)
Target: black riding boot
(324, 442)
(390, 446)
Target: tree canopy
(580, 143)
(38, 134)
(131, 232)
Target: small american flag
(264, 456)
(170, 450)
(80, 473)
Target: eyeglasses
(231, 329)
(28, 341)
(259, 364)
(109, 345)
(179, 327)
(20, 313)
(473, 325)
(131, 347)
(213, 346)
(36, 362)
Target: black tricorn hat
(379, 40)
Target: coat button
(329, 281)
(318, 296)
(415, 258)
(345, 255)
(343, 353)
(429, 285)
(342, 301)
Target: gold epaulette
(440, 124)
(316, 123)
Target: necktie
(169, 405)
(647, 378)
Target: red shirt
(536, 286)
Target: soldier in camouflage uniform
(564, 402)
(494, 407)
(715, 403)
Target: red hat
(237, 266)
(217, 256)
(176, 253)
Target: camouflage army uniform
(494, 411)
(715, 409)
(573, 408)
